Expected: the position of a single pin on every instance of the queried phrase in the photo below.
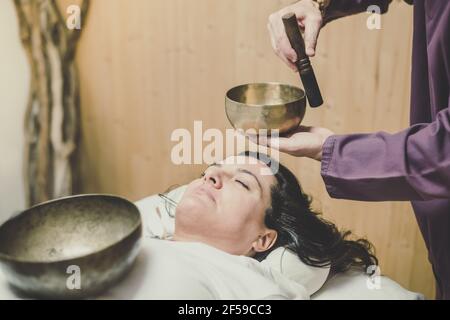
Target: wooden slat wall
(148, 67)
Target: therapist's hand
(309, 19)
(304, 142)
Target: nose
(214, 178)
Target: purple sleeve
(342, 8)
(411, 165)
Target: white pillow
(289, 264)
(355, 285)
(159, 222)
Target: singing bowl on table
(95, 237)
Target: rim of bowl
(302, 97)
(138, 225)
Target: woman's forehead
(243, 161)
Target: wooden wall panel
(149, 67)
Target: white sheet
(181, 270)
(192, 271)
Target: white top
(185, 270)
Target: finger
(288, 63)
(299, 129)
(281, 144)
(304, 129)
(272, 36)
(312, 29)
(286, 60)
(261, 140)
(286, 48)
(281, 46)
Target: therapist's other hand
(309, 19)
(304, 142)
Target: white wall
(14, 87)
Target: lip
(207, 192)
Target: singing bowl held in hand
(265, 106)
(70, 248)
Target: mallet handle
(303, 64)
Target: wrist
(327, 148)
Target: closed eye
(243, 184)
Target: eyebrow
(243, 171)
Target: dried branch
(51, 122)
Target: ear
(265, 241)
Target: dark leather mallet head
(303, 64)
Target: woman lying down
(227, 223)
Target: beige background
(149, 67)
(14, 84)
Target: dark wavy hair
(316, 241)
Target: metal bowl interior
(68, 228)
(99, 235)
(268, 106)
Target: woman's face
(225, 208)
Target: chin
(190, 204)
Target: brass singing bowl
(265, 106)
(70, 248)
